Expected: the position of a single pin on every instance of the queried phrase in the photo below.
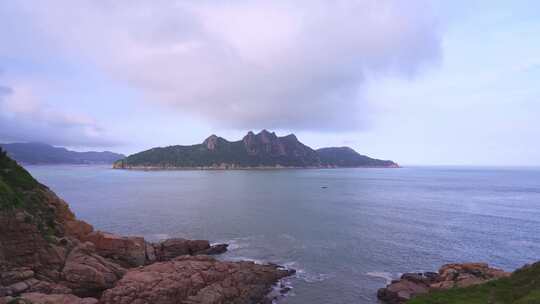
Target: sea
(347, 232)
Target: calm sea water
(346, 240)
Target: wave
(387, 276)
(306, 275)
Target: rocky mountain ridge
(262, 150)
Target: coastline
(232, 167)
(48, 255)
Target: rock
(171, 248)
(449, 276)
(195, 280)
(18, 287)
(78, 229)
(21, 240)
(40, 298)
(401, 291)
(415, 277)
(214, 249)
(467, 274)
(48, 287)
(15, 275)
(88, 273)
(127, 251)
(19, 280)
(68, 224)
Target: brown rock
(40, 298)
(77, 228)
(171, 248)
(15, 275)
(193, 280)
(127, 251)
(88, 273)
(401, 291)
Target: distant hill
(39, 153)
(262, 150)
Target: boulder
(404, 289)
(88, 273)
(195, 280)
(171, 248)
(127, 251)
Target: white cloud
(24, 117)
(249, 64)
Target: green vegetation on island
(260, 150)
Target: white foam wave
(387, 276)
(237, 243)
(241, 258)
(305, 275)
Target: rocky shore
(449, 276)
(47, 255)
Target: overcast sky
(418, 82)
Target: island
(254, 151)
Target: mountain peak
(291, 137)
(211, 138)
(212, 141)
(266, 137)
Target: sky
(417, 82)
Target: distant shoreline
(262, 168)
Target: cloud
(24, 117)
(249, 64)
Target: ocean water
(346, 231)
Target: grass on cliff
(20, 191)
(15, 182)
(522, 287)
